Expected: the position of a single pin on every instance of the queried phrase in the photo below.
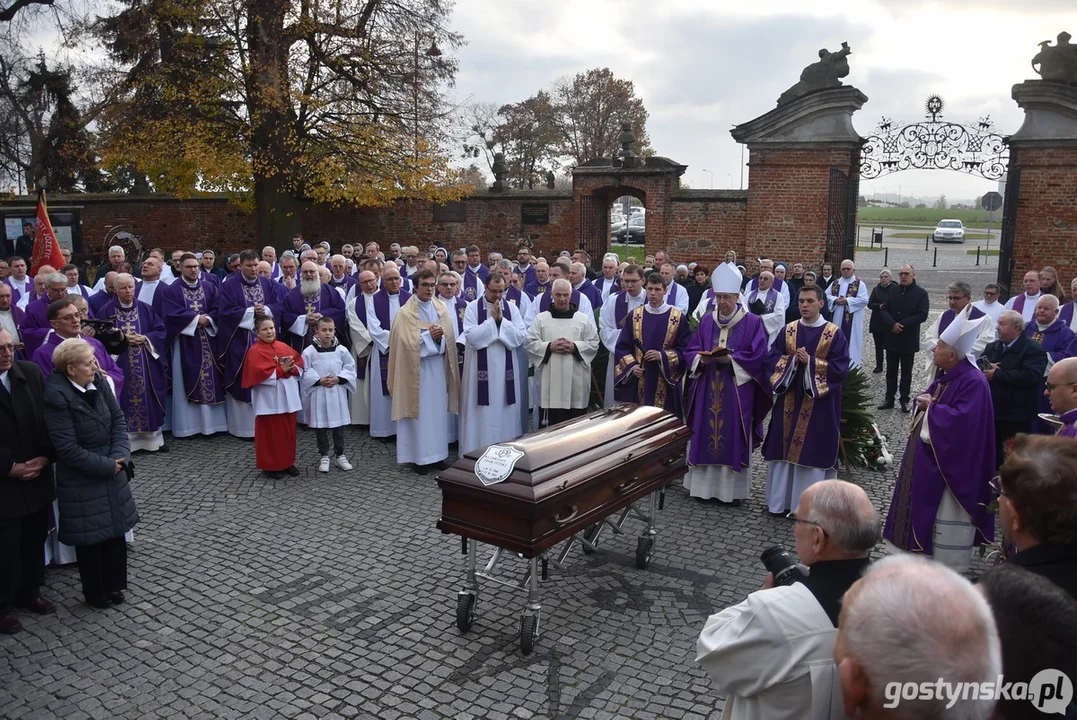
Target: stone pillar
(1041, 218)
(798, 209)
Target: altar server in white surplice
(491, 384)
(612, 318)
(359, 310)
(424, 377)
(847, 297)
(328, 377)
(384, 307)
(562, 343)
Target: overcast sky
(703, 66)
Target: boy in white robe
(328, 377)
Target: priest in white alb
(847, 297)
(382, 311)
(612, 318)
(491, 383)
(768, 303)
(359, 310)
(562, 343)
(423, 377)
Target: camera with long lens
(782, 566)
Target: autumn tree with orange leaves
(275, 101)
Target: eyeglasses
(996, 486)
(428, 285)
(904, 274)
(795, 519)
(1052, 386)
(955, 298)
(7, 349)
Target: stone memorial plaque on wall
(535, 214)
(451, 212)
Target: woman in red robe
(270, 371)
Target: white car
(950, 231)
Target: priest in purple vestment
(66, 321)
(728, 395)
(144, 364)
(189, 306)
(305, 305)
(1057, 339)
(1062, 393)
(36, 326)
(806, 367)
(649, 353)
(240, 300)
(943, 487)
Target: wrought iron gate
(594, 226)
(841, 208)
(1009, 230)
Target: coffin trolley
(562, 485)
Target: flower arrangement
(862, 443)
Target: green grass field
(636, 252)
(920, 235)
(922, 216)
(991, 252)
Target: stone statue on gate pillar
(501, 169)
(821, 75)
(1057, 63)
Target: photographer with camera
(772, 654)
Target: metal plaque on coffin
(496, 464)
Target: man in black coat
(23, 245)
(26, 487)
(907, 311)
(1014, 366)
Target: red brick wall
(788, 194)
(1046, 228)
(704, 228)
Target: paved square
(333, 596)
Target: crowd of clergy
(435, 348)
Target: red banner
(46, 248)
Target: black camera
(782, 566)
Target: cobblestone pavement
(330, 596)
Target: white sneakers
(341, 462)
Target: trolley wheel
(528, 632)
(644, 550)
(589, 535)
(465, 611)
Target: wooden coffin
(565, 478)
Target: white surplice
(773, 321)
(856, 305)
(1028, 312)
(149, 289)
(381, 405)
(991, 310)
(327, 407)
(562, 380)
(425, 440)
(241, 414)
(190, 418)
(276, 396)
(361, 349)
(497, 421)
(608, 333)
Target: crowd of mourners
(435, 348)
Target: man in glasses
(941, 494)
(959, 299)
(906, 311)
(1061, 391)
(990, 306)
(835, 529)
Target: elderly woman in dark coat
(90, 437)
(879, 298)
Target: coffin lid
(572, 452)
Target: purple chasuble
(593, 294)
(470, 288)
(768, 302)
(483, 272)
(146, 384)
(483, 361)
(43, 358)
(1066, 313)
(1069, 426)
(233, 341)
(961, 457)
(1060, 343)
(660, 384)
(180, 305)
(536, 288)
(381, 311)
(328, 303)
(36, 325)
(360, 311)
(805, 425)
(726, 418)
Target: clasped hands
(436, 333)
(30, 469)
(562, 345)
(329, 381)
(313, 318)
